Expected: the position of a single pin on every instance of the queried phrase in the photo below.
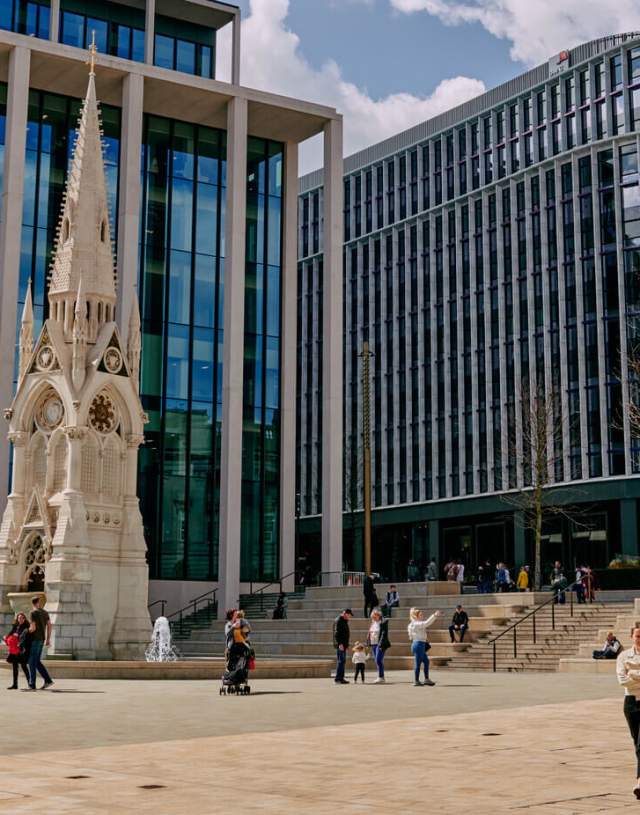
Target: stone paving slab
(301, 754)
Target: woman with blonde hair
(417, 630)
(378, 641)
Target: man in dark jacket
(370, 596)
(460, 623)
(341, 642)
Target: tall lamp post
(366, 434)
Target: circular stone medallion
(50, 413)
(113, 360)
(45, 358)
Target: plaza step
(552, 647)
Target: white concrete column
(235, 49)
(75, 437)
(332, 339)
(19, 440)
(54, 20)
(10, 228)
(129, 195)
(288, 363)
(149, 31)
(233, 355)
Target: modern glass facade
(29, 17)
(182, 300)
(119, 30)
(490, 253)
(261, 411)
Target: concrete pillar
(149, 31)
(235, 50)
(10, 229)
(288, 363)
(434, 542)
(54, 20)
(332, 339)
(233, 355)
(129, 196)
(629, 526)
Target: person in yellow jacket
(522, 583)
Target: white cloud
(272, 60)
(537, 29)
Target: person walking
(459, 623)
(460, 575)
(417, 630)
(432, 570)
(522, 583)
(628, 673)
(40, 635)
(370, 596)
(341, 643)
(413, 572)
(559, 583)
(17, 641)
(378, 641)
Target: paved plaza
(548, 744)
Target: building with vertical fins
(201, 189)
(490, 253)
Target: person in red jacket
(17, 641)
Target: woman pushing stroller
(238, 653)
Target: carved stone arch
(112, 467)
(123, 409)
(90, 464)
(31, 402)
(58, 463)
(34, 554)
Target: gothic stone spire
(83, 250)
(26, 334)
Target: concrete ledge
(587, 666)
(184, 669)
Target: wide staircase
(556, 638)
(306, 633)
(581, 661)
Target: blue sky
(389, 64)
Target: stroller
(235, 680)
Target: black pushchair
(235, 680)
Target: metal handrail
(155, 603)
(192, 606)
(514, 626)
(260, 591)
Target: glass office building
(490, 254)
(216, 511)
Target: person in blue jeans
(378, 641)
(40, 635)
(417, 631)
(341, 643)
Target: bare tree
(539, 447)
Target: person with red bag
(17, 641)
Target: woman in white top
(628, 671)
(378, 641)
(417, 631)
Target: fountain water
(160, 648)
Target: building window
(615, 68)
(118, 31)
(26, 17)
(187, 56)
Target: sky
(387, 65)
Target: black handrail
(514, 626)
(155, 603)
(192, 606)
(260, 591)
